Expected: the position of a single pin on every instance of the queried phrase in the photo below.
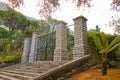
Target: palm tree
(105, 47)
(112, 46)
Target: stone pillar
(38, 48)
(26, 50)
(33, 51)
(60, 52)
(80, 37)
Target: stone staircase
(27, 71)
(45, 70)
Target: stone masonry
(33, 51)
(26, 51)
(60, 51)
(80, 37)
(30, 53)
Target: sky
(99, 14)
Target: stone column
(26, 50)
(60, 52)
(38, 48)
(80, 37)
(33, 51)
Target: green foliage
(110, 38)
(94, 51)
(28, 32)
(70, 43)
(14, 21)
(113, 45)
(8, 49)
(1, 60)
(4, 33)
(34, 24)
(44, 28)
(17, 34)
(70, 53)
(117, 52)
(3, 44)
(8, 59)
(52, 22)
(103, 43)
(104, 40)
(97, 40)
(11, 59)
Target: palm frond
(114, 47)
(114, 42)
(104, 40)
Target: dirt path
(95, 74)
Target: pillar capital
(80, 17)
(62, 22)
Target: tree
(105, 47)
(44, 28)
(34, 24)
(41, 26)
(48, 6)
(14, 20)
(117, 29)
(52, 22)
(116, 24)
(115, 5)
(4, 33)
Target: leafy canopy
(14, 20)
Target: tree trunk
(104, 67)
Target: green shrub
(11, 59)
(1, 60)
(8, 59)
(70, 53)
(8, 48)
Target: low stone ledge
(62, 70)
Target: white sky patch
(99, 14)
(29, 8)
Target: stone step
(21, 72)
(5, 77)
(27, 71)
(18, 76)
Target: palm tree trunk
(104, 67)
